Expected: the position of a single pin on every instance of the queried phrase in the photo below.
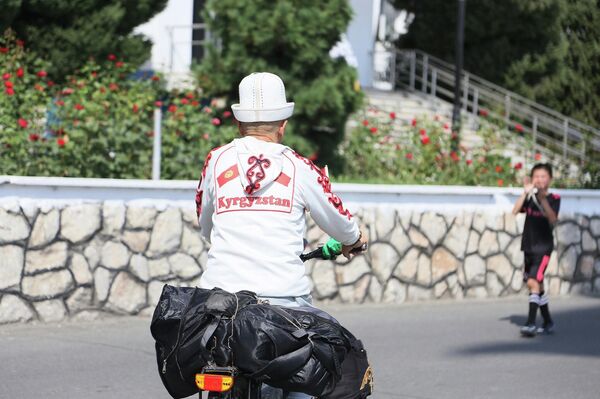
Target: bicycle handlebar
(329, 251)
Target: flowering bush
(425, 152)
(100, 123)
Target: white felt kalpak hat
(262, 99)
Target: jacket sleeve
(205, 199)
(325, 207)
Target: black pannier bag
(288, 348)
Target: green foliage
(566, 77)
(422, 154)
(547, 50)
(99, 123)
(67, 33)
(497, 33)
(290, 38)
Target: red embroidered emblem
(323, 180)
(256, 171)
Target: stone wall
(83, 260)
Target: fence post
(565, 137)
(425, 73)
(393, 71)
(413, 61)
(507, 108)
(157, 144)
(433, 81)
(465, 103)
(534, 130)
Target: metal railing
(548, 130)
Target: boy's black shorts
(535, 266)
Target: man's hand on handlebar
(359, 246)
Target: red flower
(22, 122)
(3, 50)
(215, 121)
(453, 136)
(518, 166)
(60, 103)
(409, 156)
(38, 87)
(20, 72)
(414, 122)
(498, 169)
(8, 84)
(205, 136)
(42, 74)
(111, 57)
(365, 122)
(446, 126)
(483, 112)
(50, 83)
(158, 104)
(195, 103)
(226, 114)
(469, 161)
(119, 64)
(34, 137)
(500, 182)
(155, 78)
(113, 87)
(537, 156)
(184, 101)
(190, 95)
(61, 142)
(425, 140)
(454, 156)
(20, 42)
(67, 91)
(172, 108)
(392, 115)
(10, 91)
(519, 127)
(6, 76)
(373, 130)
(94, 74)
(423, 132)
(79, 107)
(135, 108)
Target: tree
(546, 50)
(66, 33)
(291, 38)
(566, 77)
(497, 33)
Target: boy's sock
(544, 310)
(534, 303)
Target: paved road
(435, 350)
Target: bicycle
(229, 382)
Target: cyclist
(252, 202)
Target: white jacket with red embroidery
(251, 205)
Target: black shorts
(535, 266)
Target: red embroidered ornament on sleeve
(323, 180)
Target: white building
(177, 33)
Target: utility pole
(460, 39)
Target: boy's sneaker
(529, 330)
(546, 329)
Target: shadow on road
(577, 334)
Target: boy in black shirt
(537, 242)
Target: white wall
(24, 190)
(177, 13)
(361, 34)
